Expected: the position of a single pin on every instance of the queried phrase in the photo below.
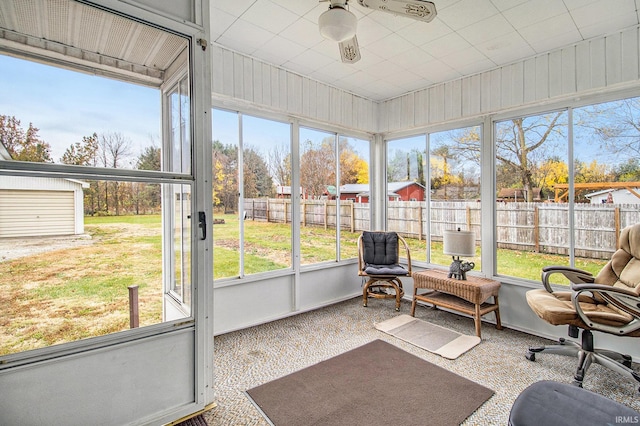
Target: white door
(161, 371)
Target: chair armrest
(601, 288)
(407, 252)
(625, 300)
(576, 276)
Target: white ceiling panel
(400, 54)
(465, 13)
(534, 12)
(303, 32)
(279, 18)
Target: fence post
(468, 215)
(420, 224)
(134, 316)
(353, 217)
(536, 229)
(326, 212)
(616, 220)
(304, 214)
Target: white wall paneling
(629, 55)
(108, 386)
(238, 79)
(243, 304)
(584, 68)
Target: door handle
(202, 224)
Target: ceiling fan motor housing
(337, 23)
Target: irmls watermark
(627, 420)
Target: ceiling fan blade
(415, 9)
(349, 50)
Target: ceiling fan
(339, 24)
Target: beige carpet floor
(251, 357)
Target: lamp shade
(459, 243)
(337, 24)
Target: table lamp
(459, 243)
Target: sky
(67, 105)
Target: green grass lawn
(79, 292)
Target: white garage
(32, 207)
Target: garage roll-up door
(27, 213)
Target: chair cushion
(556, 308)
(380, 248)
(385, 270)
(560, 404)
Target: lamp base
(458, 269)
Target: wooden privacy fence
(354, 217)
(537, 227)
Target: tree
(592, 172)
(85, 153)
(21, 145)
(317, 167)
(225, 174)
(353, 168)
(516, 144)
(82, 153)
(149, 159)
(114, 150)
(616, 124)
(147, 196)
(629, 171)
(440, 172)
(257, 180)
(551, 172)
(406, 166)
(280, 165)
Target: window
(606, 179)
(454, 174)
(406, 179)
(318, 210)
(354, 180)
(531, 158)
(95, 201)
(252, 195)
(452, 200)
(333, 168)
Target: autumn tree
(441, 176)
(628, 171)
(552, 171)
(225, 176)
(23, 145)
(591, 172)
(353, 168)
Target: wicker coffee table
(467, 296)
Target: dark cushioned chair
(560, 404)
(608, 302)
(378, 259)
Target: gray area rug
(433, 338)
(198, 420)
(374, 384)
